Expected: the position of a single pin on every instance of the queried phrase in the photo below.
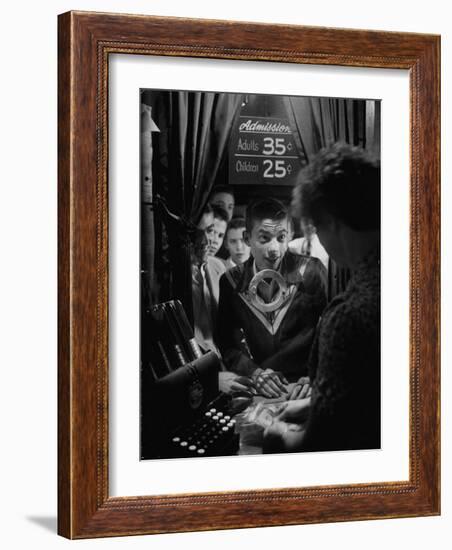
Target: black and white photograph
(260, 274)
(224, 235)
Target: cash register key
(225, 429)
(201, 451)
(222, 421)
(231, 424)
(192, 448)
(219, 414)
(227, 417)
(208, 414)
(215, 417)
(176, 439)
(183, 443)
(213, 411)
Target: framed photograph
(248, 275)
(252, 160)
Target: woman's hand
(282, 437)
(301, 389)
(295, 410)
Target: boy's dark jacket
(280, 340)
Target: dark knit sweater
(345, 367)
(280, 340)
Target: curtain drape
(320, 122)
(194, 133)
(147, 128)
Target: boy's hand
(269, 383)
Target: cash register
(183, 413)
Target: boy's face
(225, 201)
(236, 246)
(268, 241)
(203, 237)
(217, 237)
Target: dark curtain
(147, 128)
(320, 122)
(194, 133)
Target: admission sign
(263, 151)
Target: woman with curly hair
(339, 193)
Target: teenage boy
(223, 196)
(220, 223)
(266, 328)
(206, 273)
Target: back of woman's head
(342, 182)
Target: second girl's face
(236, 246)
